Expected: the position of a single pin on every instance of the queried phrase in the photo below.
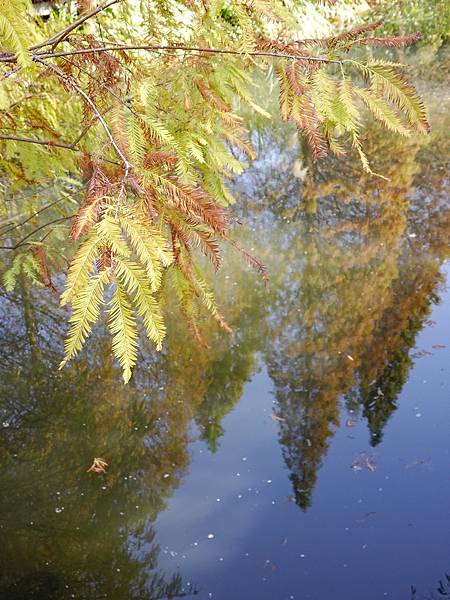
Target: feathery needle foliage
(137, 103)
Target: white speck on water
(302, 556)
(173, 553)
(418, 415)
(238, 474)
(239, 495)
(412, 235)
(273, 501)
(5, 424)
(210, 536)
(269, 481)
(121, 514)
(221, 559)
(380, 489)
(59, 509)
(118, 570)
(103, 487)
(244, 458)
(166, 475)
(195, 543)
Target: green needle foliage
(124, 116)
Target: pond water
(304, 456)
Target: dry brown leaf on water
(275, 417)
(98, 466)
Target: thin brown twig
(82, 93)
(18, 138)
(101, 84)
(58, 37)
(51, 143)
(35, 214)
(10, 58)
(15, 70)
(23, 241)
(172, 48)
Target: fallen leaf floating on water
(362, 461)
(275, 417)
(98, 466)
(367, 516)
(268, 564)
(289, 499)
(421, 354)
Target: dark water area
(304, 456)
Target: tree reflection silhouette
(355, 267)
(356, 272)
(65, 532)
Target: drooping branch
(57, 38)
(23, 241)
(71, 82)
(18, 138)
(55, 144)
(100, 84)
(37, 57)
(173, 48)
(30, 218)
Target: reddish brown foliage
(39, 255)
(208, 95)
(196, 203)
(400, 41)
(99, 186)
(309, 124)
(158, 159)
(293, 75)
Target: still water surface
(304, 456)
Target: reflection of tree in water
(102, 543)
(67, 533)
(442, 590)
(349, 292)
(352, 290)
(233, 360)
(381, 381)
